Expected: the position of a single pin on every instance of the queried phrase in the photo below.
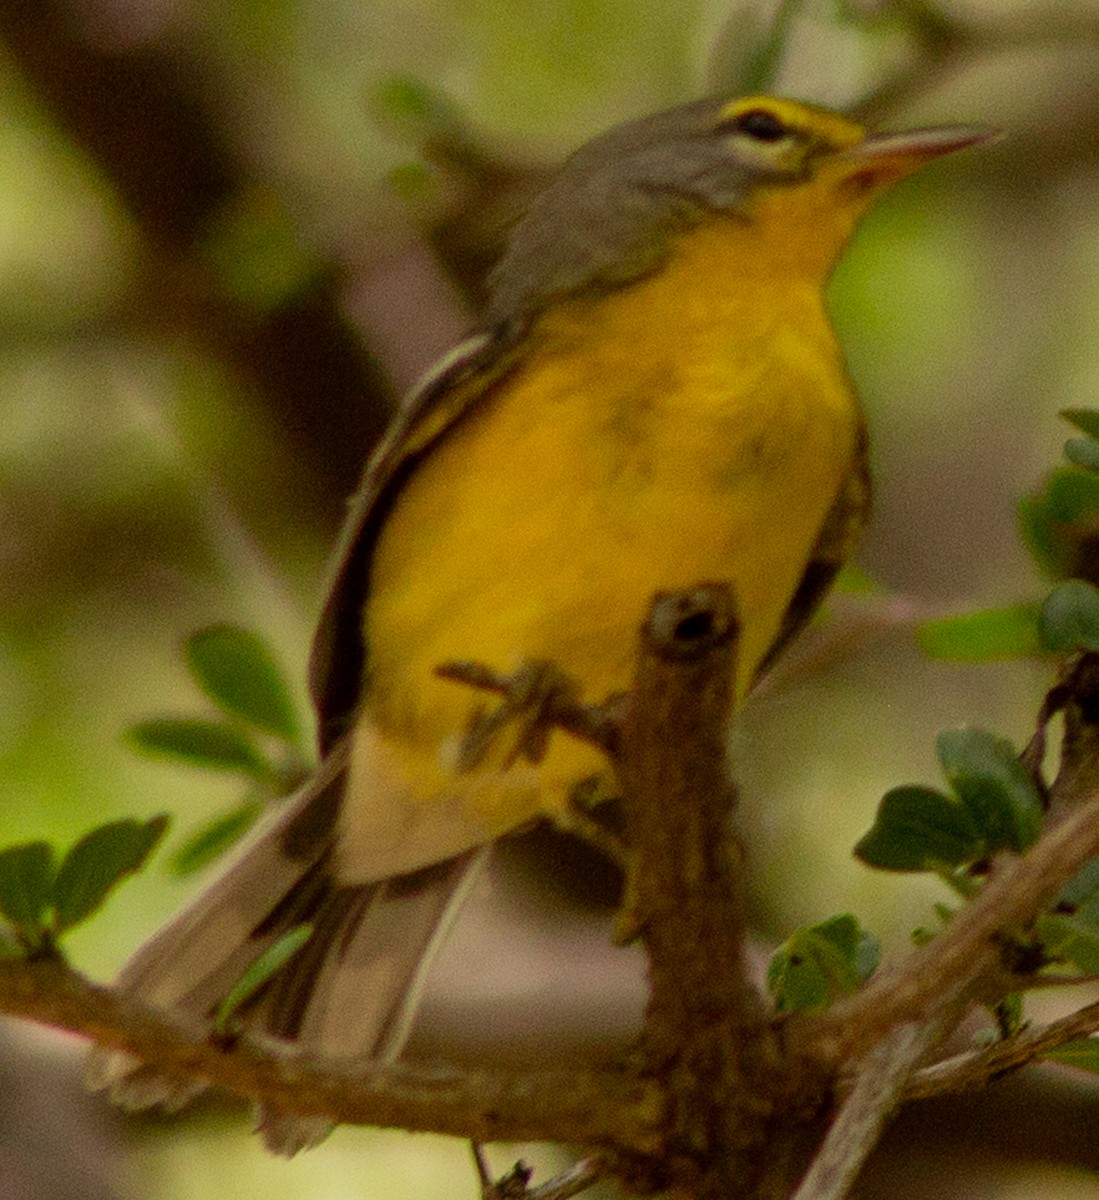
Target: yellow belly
(540, 527)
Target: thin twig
(945, 45)
(855, 624)
(483, 1167)
(967, 1072)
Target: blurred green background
(232, 233)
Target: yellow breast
(696, 426)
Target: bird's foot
(530, 700)
(536, 698)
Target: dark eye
(759, 125)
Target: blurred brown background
(231, 233)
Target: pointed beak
(884, 158)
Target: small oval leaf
(417, 113)
(1070, 938)
(994, 787)
(1082, 1053)
(98, 863)
(1069, 618)
(1083, 452)
(270, 961)
(26, 885)
(1082, 889)
(213, 839)
(1057, 523)
(238, 671)
(817, 964)
(211, 744)
(919, 829)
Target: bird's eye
(760, 125)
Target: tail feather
(357, 993)
(350, 992)
(353, 991)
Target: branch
(685, 888)
(854, 624)
(714, 1100)
(944, 44)
(706, 1036)
(589, 1106)
(515, 1185)
(906, 1010)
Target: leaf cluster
(994, 800)
(42, 898)
(993, 804)
(254, 734)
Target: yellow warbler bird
(655, 398)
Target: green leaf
(1082, 1053)
(213, 839)
(1058, 523)
(1070, 931)
(819, 963)
(919, 829)
(270, 961)
(1072, 495)
(26, 886)
(237, 670)
(253, 248)
(993, 633)
(993, 785)
(1069, 618)
(412, 182)
(1037, 530)
(213, 744)
(1008, 1012)
(1083, 452)
(1085, 419)
(867, 952)
(98, 863)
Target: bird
(653, 396)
